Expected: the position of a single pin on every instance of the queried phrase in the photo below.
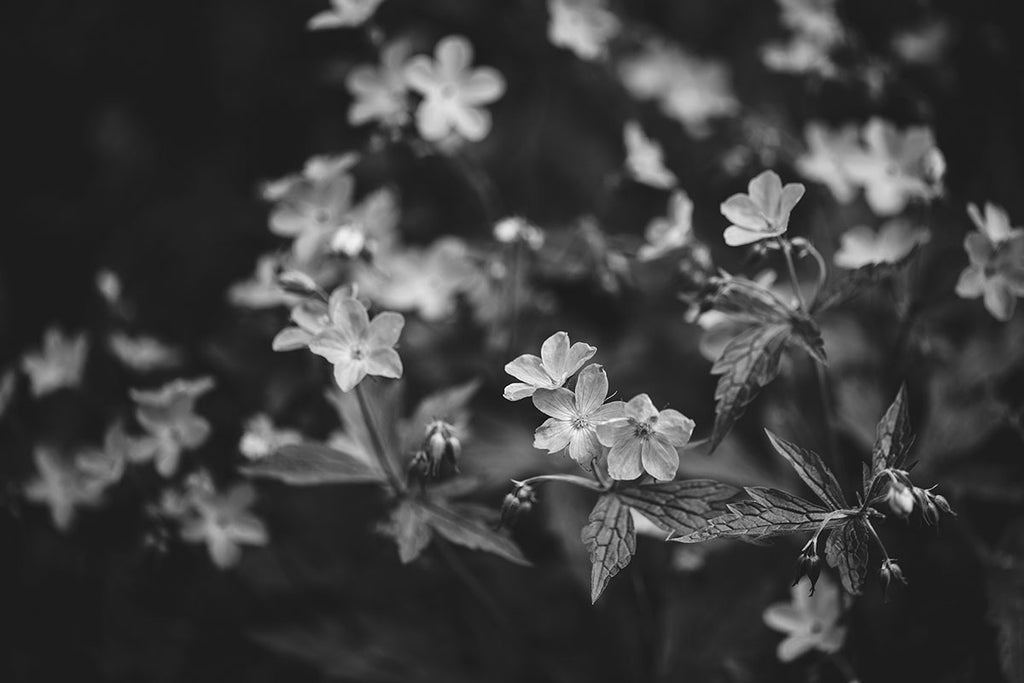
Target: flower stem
(385, 462)
(787, 251)
(845, 668)
(878, 540)
(822, 271)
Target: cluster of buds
(439, 454)
(808, 564)
(890, 571)
(520, 501)
(901, 497)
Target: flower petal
(641, 408)
(420, 75)
(529, 368)
(999, 300)
(558, 403)
(584, 447)
(971, 284)
(591, 389)
(348, 375)
(614, 433)
(675, 427)
(483, 86)
(553, 436)
(554, 353)
(348, 315)
(384, 363)
(613, 410)
(737, 236)
(471, 123)
(518, 391)
(624, 460)
(741, 210)
(766, 192)
(794, 646)
(784, 617)
(659, 458)
(385, 330)
(454, 54)
(791, 194)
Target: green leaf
(807, 334)
(465, 526)
(812, 470)
(847, 550)
(749, 362)
(611, 541)
(770, 513)
(679, 507)
(411, 529)
(308, 464)
(893, 437)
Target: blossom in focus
(645, 440)
(558, 362)
(810, 622)
(575, 415)
(689, 89)
(262, 438)
(58, 364)
(167, 414)
(583, 26)
(862, 246)
(763, 212)
(380, 92)
(996, 269)
(665, 234)
(344, 13)
(453, 93)
(357, 346)
(645, 160)
(224, 523)
(62, 486)
(310, 318)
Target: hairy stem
(386, 464)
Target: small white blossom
(58, 364)
(645, 160)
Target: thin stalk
(385, 462)
(822, 271)
(787, 251)
(878, 540)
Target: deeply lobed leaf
(611, 541)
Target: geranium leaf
(308, 463)
(679, 507)
(744, 299)
(749, 362)
(611, 541)
(807, 334)
(812, 470)
(852, 282)
(465, 526)
(770, 513)
(411, 529)
(847, 550)
(893, 437)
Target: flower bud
(439, 454)
(899, 499)
(929, 510)
(809, 565)
(297, 282)
(890, 571)
(348, 240)
(519, 501)
(943, 504)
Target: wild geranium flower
(262, 289)
(645, 440)
(816, 31)
(453, 94)
(62, 486)
(810, 621)
(224, 523)
(262, 437)
(763, 212)
(583, 26)
(344, 13)
(168, 415)
(830, 154)
(558, 362)
(107, 464)
(666, 234)
(142, 353)
(645, 160)
(575, 416)
(357, 346)
(861, 246)
(380, 92)
(996, 270)
(58, 364)
(898, 166)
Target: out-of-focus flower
(58, 364)
(671, 232)
(357, 346)
(262, 289)
(107, 464)
(644, 159)
(558, 362)
(344, 13)
(168, 415)
(924, 44)
(829, 154)
(108, 284)
(816, 31)
(862, 246)
(142, 353)
(453, 93)
(645, 440)
(369, 228)
(575, 416)
(262, 438)
(810, 621)
(689, 89)
(583, 26)
(996, 269)
(310, 318)
(62, 486)
(224, 523)
(380, 92)
(517, 229)
(763, 212)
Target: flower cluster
(996, 269)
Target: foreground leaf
(811, 469)
(893, 437)
(410, 529)
(847, 550)
(770, 513)
(309, 464)
(463, 525)
(851, 283)
(679, 507)
(748, 363)
(611, 541)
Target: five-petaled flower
(223, 522)
(344, 13)
(380, 91)
(558, 362)
(168, 415)
(645, 161)
(583, 26)
(58, 364)
(645, 439)
(62, 486)
(667, 233)
(862, 246)
(996, 270)
(763, 212)
(452, 92)
(357, 346)
(575, 416)
(810, 621)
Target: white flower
(224, 524)
(517, 229)
(763, 212)
(380, 92)
(645, 159)
(344, 13)
(862, 246)
(672, 232)
(262, 290)
(143, 353)
(645, 439)
(583, 26)
(453, 93)
(58, 364)
(558, 362)
(262, 438)
(996, 268)
(810, 622)
(829, 155)
(62, 486)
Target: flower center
(580, 422)
(641, 430)
(357, 353)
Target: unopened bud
(297, 282)
(809, 565)
(943, 504)
(439, 454)
(890, 571)
(519, 501)
(929, 510)
(899, 499)
(348, 240)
